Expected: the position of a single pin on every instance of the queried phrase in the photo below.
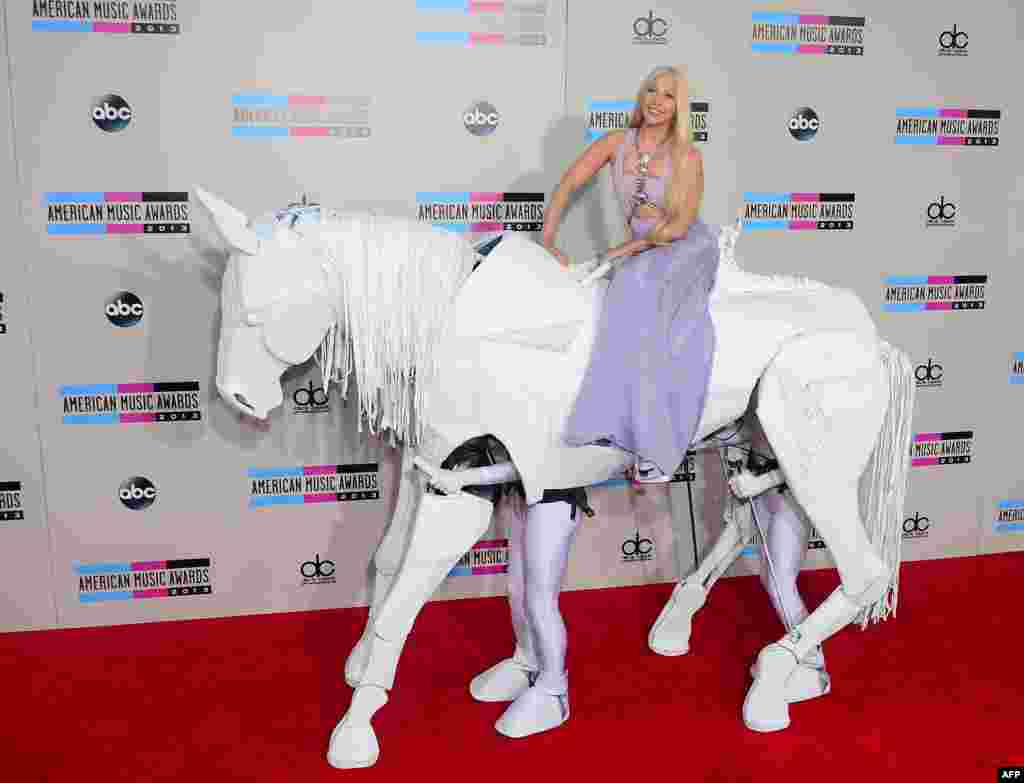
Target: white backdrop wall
(144, 507)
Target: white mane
(396, 280)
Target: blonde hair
(680, 138)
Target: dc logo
(124, 309)
(804, 124)
(916, 526)
(137, 493)
(481, 119)
(111, 113)
(941, 211)
(310, 399)
(637, 548)
(317, 568)
(650, 29)
(953, 41)
(929, 374)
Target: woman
(645, 387)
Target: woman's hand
(630, 248)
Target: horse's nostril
(241, 399)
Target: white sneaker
(505, 681)
(533, 712)
(646, 472)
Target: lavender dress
(645, 388)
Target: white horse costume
(442, 357)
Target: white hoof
(806, 682)
(534, 711)
(670, 634)
(766, 707)
(507, 680)
(352, 747)
(355, 664)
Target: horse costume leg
(508, 678)
(387, 559)
(544, 705)
(670, 634)
(822, 404)
(446, 527)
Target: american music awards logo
(604, 116)
(95, 213)
(466, 23)
(486, 557)
(1009, 517)
(1017, 369)
(308, 484)
(98, 582)
(260, 112)
(926, 293)
(11, 508)
(779, 32)
(798, 211)
(131, 403)
(942, 448)
(481, 213)
(110, 16)
(948, 127)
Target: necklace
(640, 196)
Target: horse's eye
(241, 399)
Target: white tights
(787, 535)
(539, 544)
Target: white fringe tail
(887, 476)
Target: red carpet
(934, 695)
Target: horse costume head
(369, 295)
(275, 303)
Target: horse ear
(293, 329)
(232, 223)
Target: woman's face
(659, 101)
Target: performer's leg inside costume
(549, 532)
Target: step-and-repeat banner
(868, 145)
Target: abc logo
(650, 29)
(804, 124)
(953, 40)
(124, 309)
(137, 493)
(481, 119)
(111, 113)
